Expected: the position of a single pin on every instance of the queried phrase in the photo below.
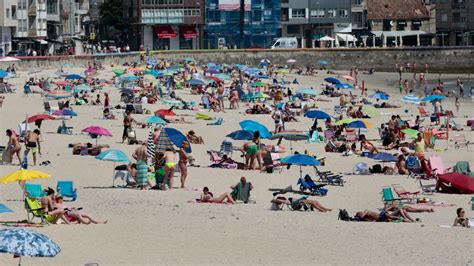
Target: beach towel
(142, 173)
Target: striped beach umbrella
(411, 99)
(163, 142)
(150, 145)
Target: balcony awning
(345, 37)
(164, 32)
(188, 31)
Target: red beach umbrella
(35, 118)
(164, 112)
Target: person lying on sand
(312, 204)
(207, 196)
(383, 216)
(406, 208)
(75, 214)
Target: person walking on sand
(127, 124)
(140, 155)
(457, 104)
(13, 147)
(169, 169)
(183, 163)
(33, 144)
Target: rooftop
(396, 9)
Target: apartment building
(8, 24)
(454, 22)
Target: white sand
(154, 227)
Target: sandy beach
(161, 227)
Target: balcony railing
(32, 10)
(457, 5)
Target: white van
(285, 43)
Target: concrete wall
(455, 60)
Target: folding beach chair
(351, 135)
(34, 191)
(314, 138)
(307, 183)
(427, 189)
(276, 162)
(404, 194)
(226, 148)
(423, 112)
(414, 166)
(66, 189)
(35, 210)
(460, 141)
(329, 177)
(387, 195)
(219, 121)
(464, 168)
(138, 109)
(437, 165)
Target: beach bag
(344, 215)
(376, 169)
(361, 168)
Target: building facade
(224, 24)
(32, 26)
(401, 22)
(310, 20)
(171, 24)
(8, 24)
(454, 22)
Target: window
(415, 24)
(13, 12)
(52, 7)
(357, 2)
(317, 13)
(257, 15)
(332, 13)
(293, 29)
(298, 13)
(444, 17)
(8, 13)
(401, 24)
(343, 13)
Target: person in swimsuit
(13, 146)
(140, 154)
(383, 216)
(207, 196)
(401, 166)
(251, 152)
(419, 144)
(127, 123)
(47, 204)
(183, 162)
(169, 168)
(75, 214)
(367, 145)
(460, 219)
(33, 144)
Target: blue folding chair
(34, 191)
(4, 209)
(66, 189)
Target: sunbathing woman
(406, 208)
(207, 196)
(73, 214)
(367, 145)
(460, 219)
(313, 204)
(401, 166)
(383, 216)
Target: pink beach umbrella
(97, 131)
(347, 77)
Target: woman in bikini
(169, 168)
(367, 145)
(207, 196)
(13, 146)
(75, 214)
(183, 162)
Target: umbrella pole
(301, 172)
(19, 262)
(113, 177)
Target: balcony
(81, 9)
(32, 10)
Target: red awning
(164, 32)
(188, 31)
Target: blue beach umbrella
(151, 61)
(116, 156)
(301, 160)
(411, 99)
(344, 86)
(196, 82)
(155, 120)
(379, 95)
(356, 124)
(332, 80)
(4, 209)
(307, 91)
(73, 76)
(433, 98)
(241, 135)
(3, 73)
(255, 126)
(178, 138)
(27, 243)
(130, 78)
(383, 156)
(323, 62)
(317, 114)
(81, 88)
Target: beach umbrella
(347, 77)
(344, 86)
(360, 124)
(291, 61)
(379, 95)
(307, 91)
(196, 82)
(411, 99)
(152, 72)
(177, 138)
(222, 76)
(301, 160)
(332, 80)
(27, 243)
(212, 71)
(241, 135)
(3, 73)
(23, 175)
(261, 75)
(155, 120)
(317, 114)
(163, 142)
(214, 78)
(291, 136)
(4, 209)
(151, 61)
(430, 98)
(149, 77)
(81, 88)
(323, 62)
(211, 65)
(383, 156)
(150, 146)
(136, 69)
(96, 131)
(9, 59)
(58, 94)
(258, 84)
(410, 132)
(115, 156)
(73, 76)
(282, 71)
(255, 126)
(261, 95)
(130, 78)
(188, 59)
(62, 82)
(118, 72)
(370, 110)
(344, 121)
(35, 118)
(164, 112)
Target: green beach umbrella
(259, 84)
(370, 111)
(283, 71)
(261, 96)
(410, 132)
(118, 72)
(344, 121)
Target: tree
(111, 12)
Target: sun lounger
(427, 189)
(329, 177)
(387, 195)
(437, 165)
(307, 183)
(66, 189)
(34, 191)
(460, 141)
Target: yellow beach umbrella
(344, 121)
(23, 175)
(370, 111)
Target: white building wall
(148, 36)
